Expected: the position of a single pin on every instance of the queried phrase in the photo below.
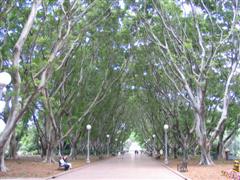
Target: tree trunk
(185, 150)
(185, 155)
(200, 127)
(74, 141)
(220, 150)
(195, 150)
(220, 147)
(203, 140)
(50, 154)
(3, 168)
(43, 152)
(13, 146)
(73, 152)
(175, 152)
(16, 111)
(205, 156)
(60, 147)
(50, 140)
(43, 148)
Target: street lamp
(116, 142)
(108, 142)
(121, 146)
(5, 79)
(166, 151)
(154, 144)
(161, 152)
(88, 127)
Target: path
(131, 167)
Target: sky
(134, 146)
(2, 125)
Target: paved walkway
(130, 167)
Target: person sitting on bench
(63, 163)
(65, 158)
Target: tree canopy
(121, 66)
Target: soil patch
(34, 167)
(197, 172)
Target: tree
(16, 113)
(188, 46)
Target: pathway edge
(74, 169)
(175, 172)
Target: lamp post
(88, 127)
(108, 142)
(5, 79)
(154, 144)
(121, 146)
(166, 139)
(116, 141)
(161, 153)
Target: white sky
(186, 8)
(2, 105)
(2, 125)
(134, 146)
(122, 5)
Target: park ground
(34, 167)
(197, 172)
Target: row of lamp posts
(89, 127)
(165, 127)
(5, 79)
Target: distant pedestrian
(120, 155)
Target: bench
(182, 167)
(62, 167)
